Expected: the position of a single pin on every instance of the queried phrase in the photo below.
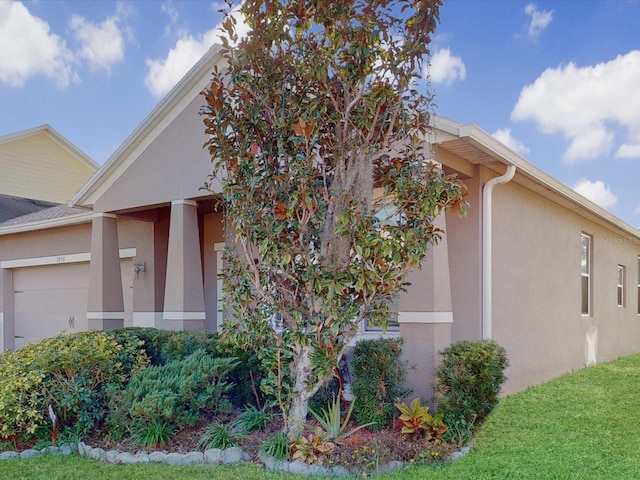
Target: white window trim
(638, 286)
(587, 275)
(620, 284)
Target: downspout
(487, 201)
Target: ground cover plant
(579, 426)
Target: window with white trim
(620, 281)
(392, 324)
(638, 285)
(586, 274)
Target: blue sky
(558, 81)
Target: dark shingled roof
(12, 207)
(50, 213)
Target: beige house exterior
(533, 265)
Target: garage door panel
(51, 301)
(51, 277)
(36, 326)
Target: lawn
(582, 426)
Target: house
(545, 272)
(39, 164)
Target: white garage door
(48, 300)
(52, 299)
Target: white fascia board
(506, 156)
(46, 224)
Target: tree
(318, 134)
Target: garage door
(52, 299)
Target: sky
(557, 81)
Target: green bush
(177, 393)
(163, 346)
(152, 340)
(468, 381)
(68, 372)
(378, 373)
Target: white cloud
(540, 19)
(101, 45)
(28, 47)
(584, 103)
(597, 192)
(168, 8)
(445, 68)
(504, 135)
(165, 73)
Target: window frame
(586, 274)
(638, 285)
(621, 280)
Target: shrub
(177, 392)
(253, 418)
(151, 340)
(222, 436)
(163, 346)
(378, 373)
(153, 434)
(330, 427)
(468, 381)
(417, 422)
(277, 446)
(68, 372)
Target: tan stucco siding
(537, 288)
(39, 168)
(464, 237)
(139, 235)
(174, 166)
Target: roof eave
(503, 154)
(47, 224)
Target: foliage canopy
(319, 133)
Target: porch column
(426, 315)
(184, 287)
(106, 306)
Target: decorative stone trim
(213, 456)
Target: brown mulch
(361, 450)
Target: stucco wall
(174, 166)
(537, 288)
(464, 238)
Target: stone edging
(213, 456)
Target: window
(586, 274)
(393, 324)
(638, 285)
(620, 285)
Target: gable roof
(41, 164)
(57, 138)
(180, 96)
(476, 146)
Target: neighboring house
(545, 272)
(39, 164)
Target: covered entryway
(52, 299)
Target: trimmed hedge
(68, 372)
(378, 373)
(469, 379)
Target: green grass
(581, 426)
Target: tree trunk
(300, 373)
